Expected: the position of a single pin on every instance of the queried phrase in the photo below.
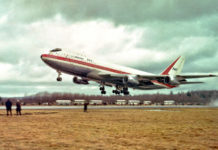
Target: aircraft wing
(181, 78)
(195, 76)
(138, 77)
(112, 75)
(150, 77)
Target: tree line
(190, 97)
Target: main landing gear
(102, 89)
(125, 91)
(117, 91)
(59, 76)
(120, 90)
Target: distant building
(95, 102)
(46, 103)
(79, 101)
(121, 102)
(147, 102)
(134, 102)
(34, 103)
(169, 102)
(157, 103)
(63, 102)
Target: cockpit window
(56, 50)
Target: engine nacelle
(80, 80)
(131, 79)
(170, 80)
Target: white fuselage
(120, 77)
(84, 67)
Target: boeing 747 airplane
(85, 69)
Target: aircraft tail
(175, 68)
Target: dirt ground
(100, 129)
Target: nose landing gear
(59, 76)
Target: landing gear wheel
(59, 76)
(59, 79)
(103, 92)
(126, 93)
(117, 92)
(101, 88)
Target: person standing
(8, 105)
(18, 107)
(86, 106)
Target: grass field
(110, 129)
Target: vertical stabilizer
(175, 68)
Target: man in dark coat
(8, 105)
(18, 107)
(86, 106)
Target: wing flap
(139, 77)
(150, 77)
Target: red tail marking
(166, 72)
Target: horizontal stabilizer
(196, 76)
(191, 82)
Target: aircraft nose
(43, 57)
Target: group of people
(9, 104)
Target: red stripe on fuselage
(84, 63)
(98, 67)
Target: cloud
(146, 35)
(119, 11)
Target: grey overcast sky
(147, 35)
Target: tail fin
(175, 68)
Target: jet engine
(132, 79)
(170, 80)
(78, 80)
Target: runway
(107, 107)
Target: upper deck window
(56, 50)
